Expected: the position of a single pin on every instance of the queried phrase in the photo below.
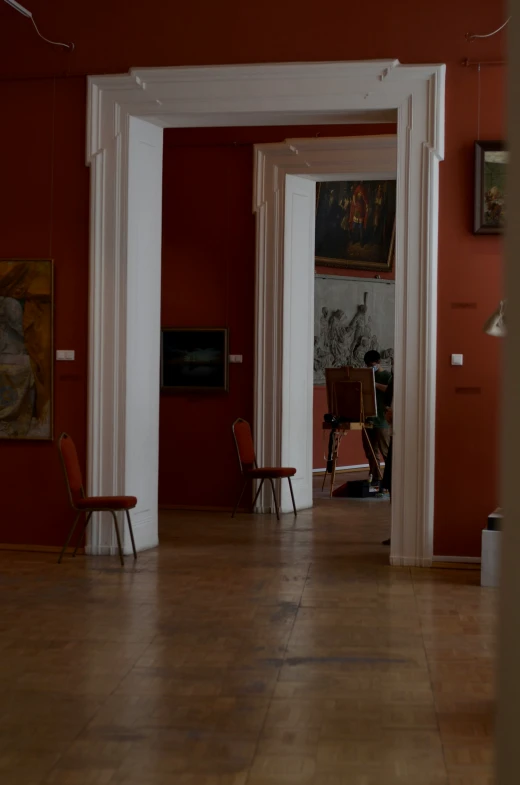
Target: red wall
(44, 213)
(470, 275)
(37, 184)
(207, 281)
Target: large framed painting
(26, 349)
(491, 159)
(355, 224)
(351, 317)
(194, 359)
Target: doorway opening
(354, 327)
(316, 191)
(208, 282)
(126, 118)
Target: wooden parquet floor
(246, 652)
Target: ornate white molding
(265, 95)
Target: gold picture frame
(355, 225)
(26, 349)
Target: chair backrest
(71, 468)
(244, 443)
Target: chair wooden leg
(114, 516)
(257, 494)
(324, 479)
(275, 500)
(292, 496)
(333, 476)
(131, 533)
(71, 532)
(82, 533)
(239, 499)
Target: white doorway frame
(285, 256)
(125, 254)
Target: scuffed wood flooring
(246, 652)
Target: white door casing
(258, 95)
(297, 333)
(125, 297)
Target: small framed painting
(491, 159)
(26, 349)
(355, 224)
(194, 359)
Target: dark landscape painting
(194, 359)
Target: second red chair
(251, 471)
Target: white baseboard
(145, 535)
(409, 561)
(352, 468)
(460, 559)
(112, 550)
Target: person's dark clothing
(387, 476)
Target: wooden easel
(351, 396)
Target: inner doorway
(354, 327)
(298, 169)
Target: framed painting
(26, 349)
(355, 224)
(351, 317)
(491, 159)
(194, 359)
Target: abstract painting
(491, 161)
(194, 359)
(26, 348)
(352, 316)
(355, 224)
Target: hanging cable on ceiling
(474, 36)
(25, 12)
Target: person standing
(359, 214)
(379, 434)
(378, 215)
(386, 483)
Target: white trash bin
(490, 562)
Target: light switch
(235, 358)
(457, 359)
(66, 354)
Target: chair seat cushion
(106, 503)
(270, 472)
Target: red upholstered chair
(249, 467)
(89, 504)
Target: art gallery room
(354, 317)
(259, 311)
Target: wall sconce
(496, 325)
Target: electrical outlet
(65, 354)
(235, 358)
(457, 359)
